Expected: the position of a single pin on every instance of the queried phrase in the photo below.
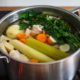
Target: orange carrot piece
(34, 60)
(49, 41)
(43, 32)
(21, 35)
(47, 35)
(41, 37)
(23, 40)
(33, 34)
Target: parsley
(57, 28)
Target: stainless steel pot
(64, 69)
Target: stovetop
(3, 73)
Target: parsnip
(2, 47)
(17, 55)
(4, 38)
(8, 46)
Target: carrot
(47, 35)
(34, 60)
(49, 41)
(43, 32)
(41, 37)
(21, 35)
(33, 34)
(23, 40)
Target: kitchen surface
(7, 6)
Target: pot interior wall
(68, 17)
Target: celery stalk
(30, 52)
(46, 49)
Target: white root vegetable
(37, 29)
(52, 39)
(12, 31)
(2, 47)
(4, 38)
(24, 58)
(8, 46)
(64, 48)
(17, 55)
(28, 32)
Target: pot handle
(4, 57)
(76, 11)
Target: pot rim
(40, 6)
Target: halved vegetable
(46, 49)
(12, 31)
(30, 52)
(65, 47)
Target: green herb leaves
(55, 27)
(27, 15)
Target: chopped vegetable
(2, 47)
(12, 31)
(43, 32)
(30, 52)
(34, 60)
(17, 55)
(52, 39)
(21, 35)
(37, 29)
(33, 34)
(8, 46)
(41, 37)
(64, 48)
(23, 40)
(47, 35)
(4, 38)
(28, 32)
(46, 49)
(49, 41)
(5, 45)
